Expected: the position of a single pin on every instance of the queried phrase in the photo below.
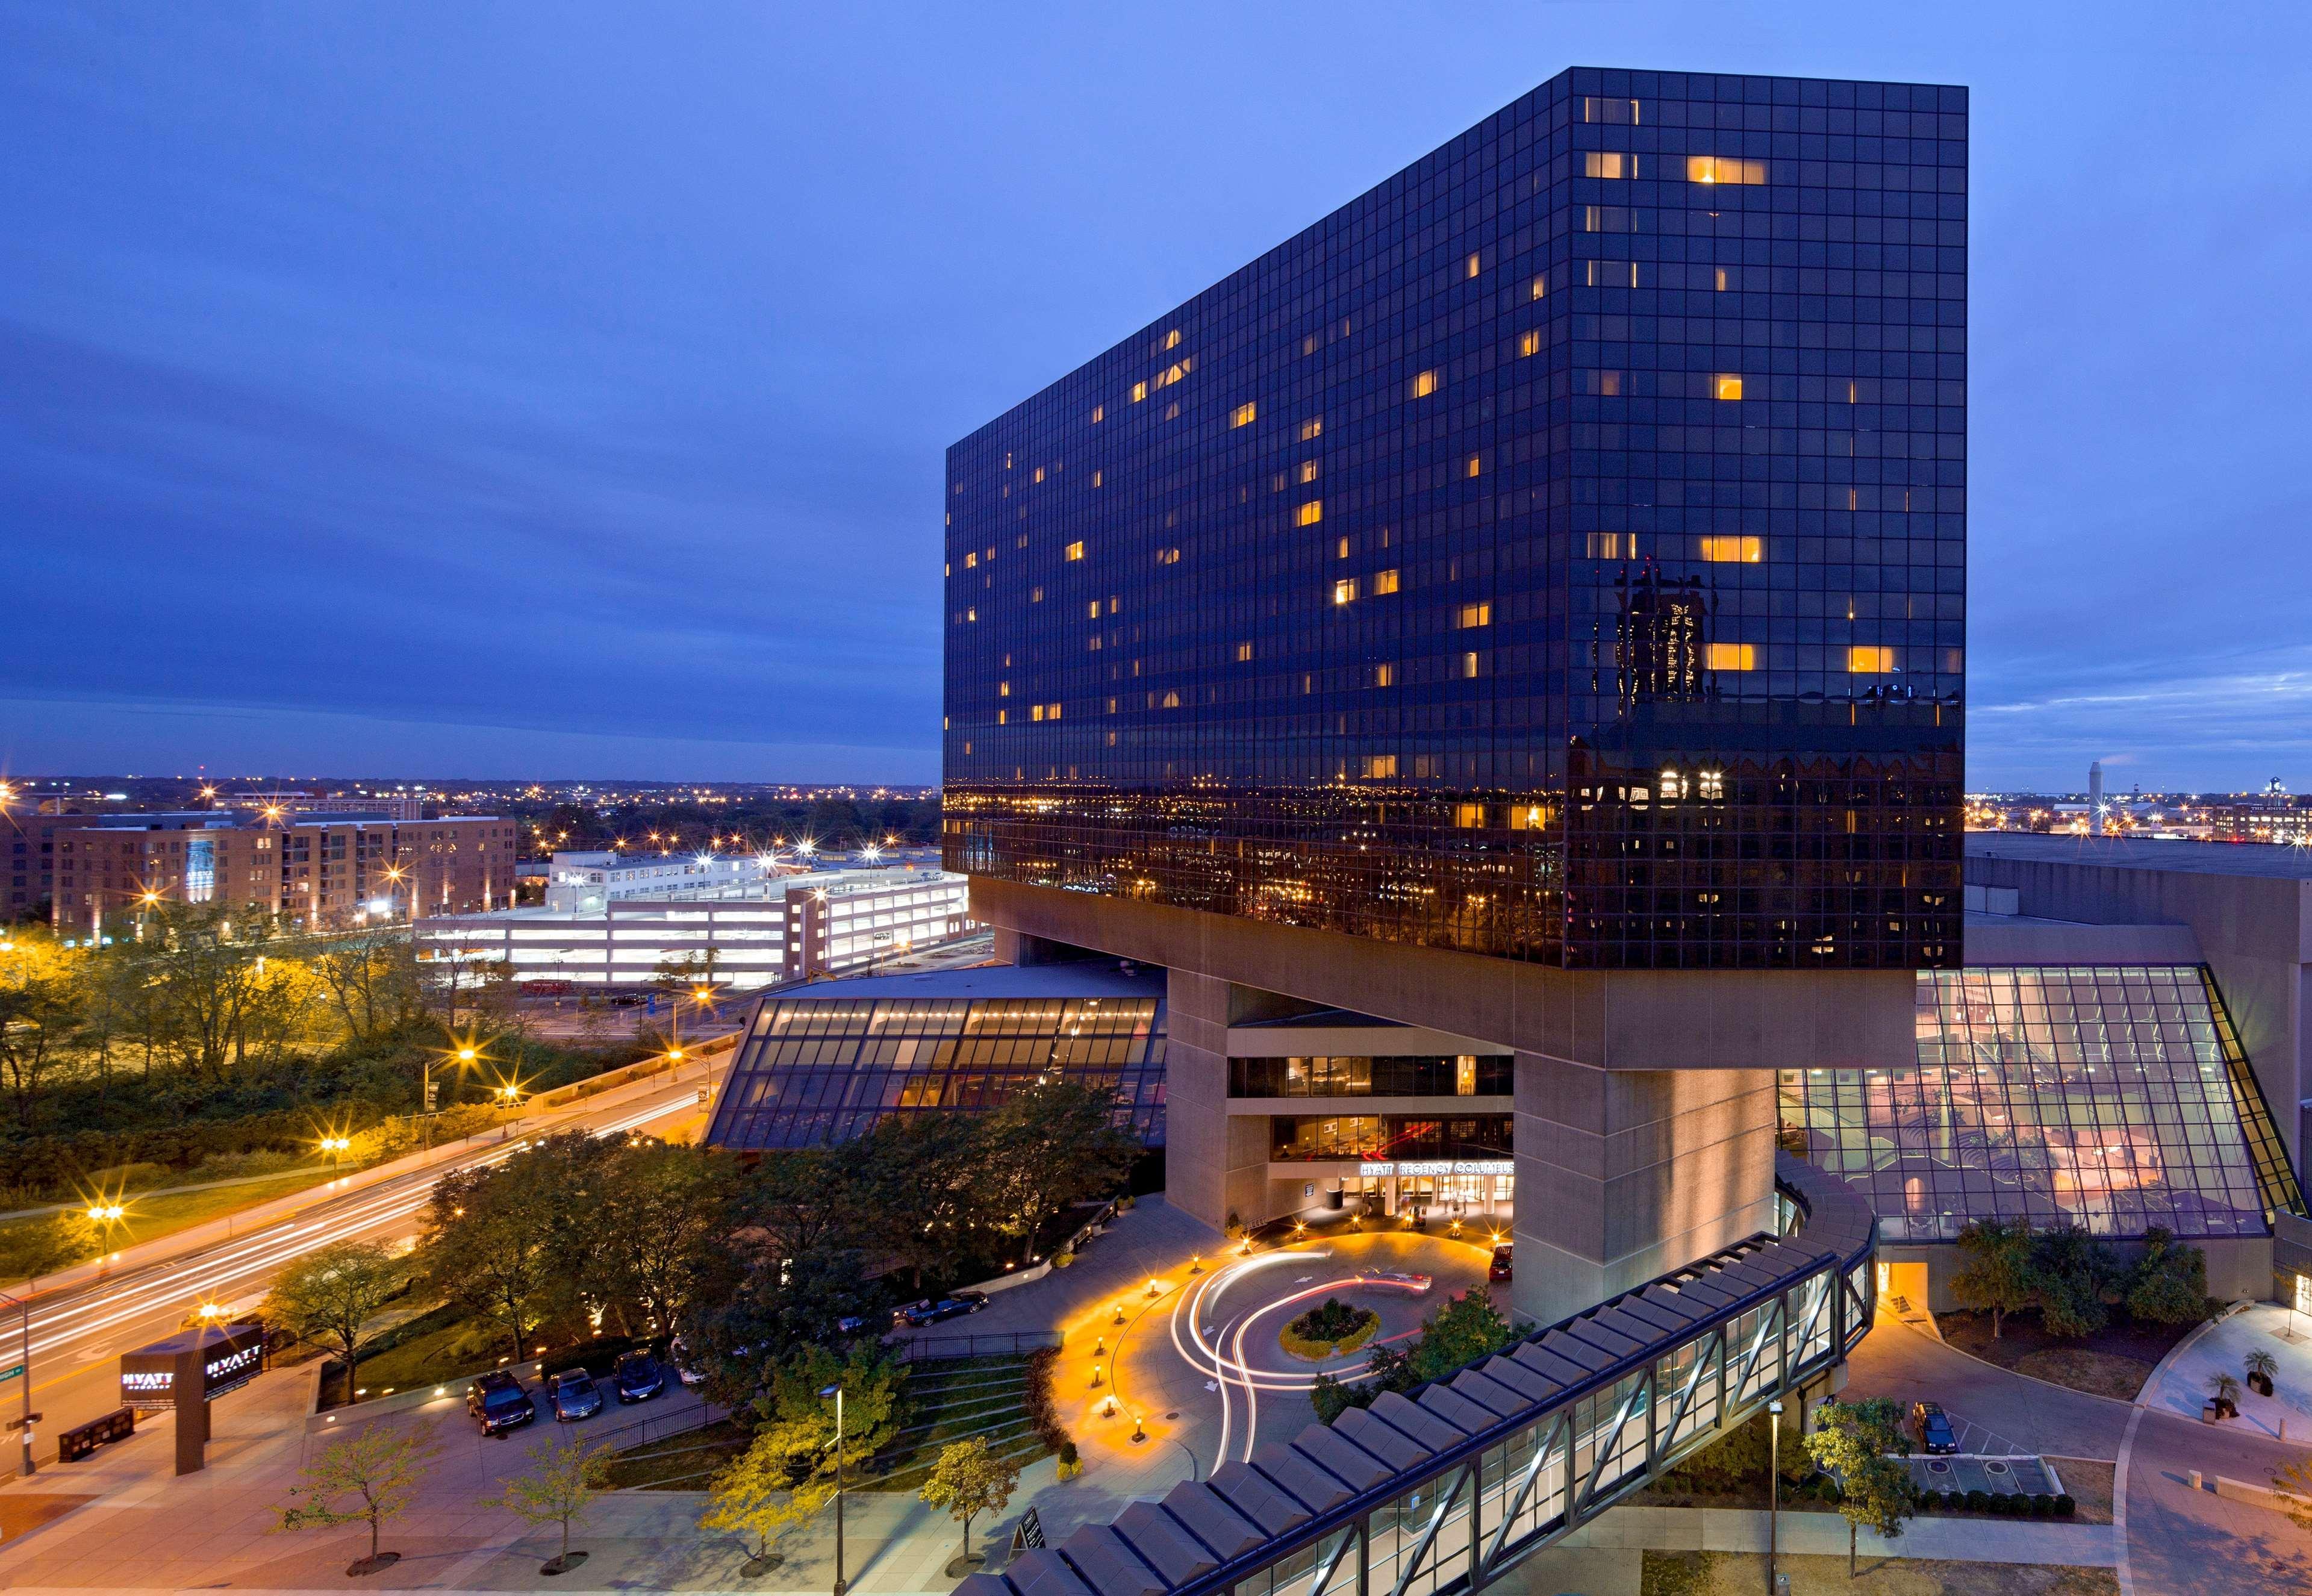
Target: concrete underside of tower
(1643, 1122)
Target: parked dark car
(931, 1311)
(638, 1376)
(574, 1396)
(1498, 1269)
(499, 1402)
(1933, 1428)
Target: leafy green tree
(799, 1425)
(560, 1484)
(755, 1497)
(1466, 1328)
(369, 982)
(2078, 1279)
(2171, 1285)
(332, 1293)
(920, 1171)
(36, 1247)
(1051, 1145)
(486, 1246)
(969, 1480)
(1850, 1442)
(1997, 1278)
(41, 1005)
(669, 1207)
(380, 1468)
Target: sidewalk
(1824, 1534)
(2180, 1384)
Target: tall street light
(1774, 1489)
(836, 1391)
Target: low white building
(756, 930)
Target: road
(77, 1334)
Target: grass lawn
(1743, 1574)
(2115, 1362)
(151, 1216)
(685, 1462)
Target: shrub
(1068, 1453)
(1043, 1415)
(1954, 1500)
(2042, 1505)
(1062, 1257)
(2064, 1505)
(1978, 1501)
(1124, 1203)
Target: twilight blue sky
(552, 390)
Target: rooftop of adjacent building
(1086, 978)
(2270, 861)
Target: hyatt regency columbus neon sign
(1440, 1166)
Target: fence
(657, 1426)
(923, 1348)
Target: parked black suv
(499, 1403)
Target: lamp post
(841, 1584)
(1773, 1488)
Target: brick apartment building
(322, 871)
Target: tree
(561, 1485)
(369, 982)
(1850, 1442)
(2294, 1484)
(380, 1467)
(756, 1498)
(2078, 1279)
(2171, 1285)
(967, 1480)
(1997, 1278)
(1466, 1328)
(1051, 1145)
(41, 1008)
(799, 1425)
(332, 1293)
(670, 1206)
(485, 1234)
(920, 1171)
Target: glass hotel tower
(1543, 575)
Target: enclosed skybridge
(1443, 1490)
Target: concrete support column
(1213, 1164)
(1623, 1175)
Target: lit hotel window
(1380, 767)
(1866, 660)
(1384, 676)
(1098, 413)
(1469, 667)
(1468, 814)
(1312, 513)
(1384, 581)
(1530, 344)
(1167, 556)
(1475, 615)
(1729, 549)
(1425, 383)
(1243, 415)
(1721, 280)
(1075, 551)
(1476, 465)
(1611, 164)
(1308, 471)
(1724, 169)
(1040, 473)
(1726, 385)
(1002, 689)
(1172, 339)
(1613, 546)
(1541, 286)
(1312, 427)
(1595, 109)
(1474, 266)
(1604, 384)
(1733, 656)
(1243, 652)
(1139, 392)
(1095, 479)
(1344, 591)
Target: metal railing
(918, 1349)
(1440, 1491)
(657, 1426)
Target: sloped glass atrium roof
(816, 1071)
(2116, 1098)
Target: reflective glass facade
(817, 1071)
(1557, 552)
(2114, 1098)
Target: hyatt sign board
(229, 1357)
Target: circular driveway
(1225, 1324)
